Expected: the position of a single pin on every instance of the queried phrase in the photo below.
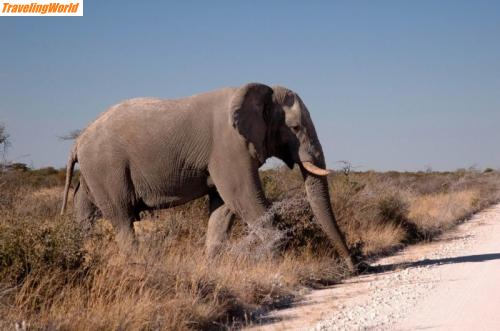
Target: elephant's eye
(296, 128)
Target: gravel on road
(452, 283)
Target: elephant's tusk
(309, 166)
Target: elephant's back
(157, 139)
(157, 116)
(145, 128)
(121, 116)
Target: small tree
(4, 144)
(71, 135)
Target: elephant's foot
(219, 225)
(212, 250)
(126, 240)
(351, 266)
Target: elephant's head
(275, 122)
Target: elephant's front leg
(238, 183)
(219, 224)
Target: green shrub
(38, 244)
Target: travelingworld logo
(41, 8)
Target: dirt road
(450, 284)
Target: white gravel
(419, 296)
(452, 283)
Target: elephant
(151, 153)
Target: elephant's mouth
(310, 167)
(286, 157)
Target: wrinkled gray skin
(149, 153)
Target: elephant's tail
(69, 175)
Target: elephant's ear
(248, 115)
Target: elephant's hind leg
(122, 216)
(86, 212)
(124, 229)
(219, 224)
(115, 197)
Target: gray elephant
(149, 153)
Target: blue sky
(402, 85)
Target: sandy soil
(450, 284)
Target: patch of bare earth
(452, 283)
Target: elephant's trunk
(319, 198)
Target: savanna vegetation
(55, 275)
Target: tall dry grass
(53, 275)
(436, 212)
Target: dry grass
(55, 276)
(440, 211)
